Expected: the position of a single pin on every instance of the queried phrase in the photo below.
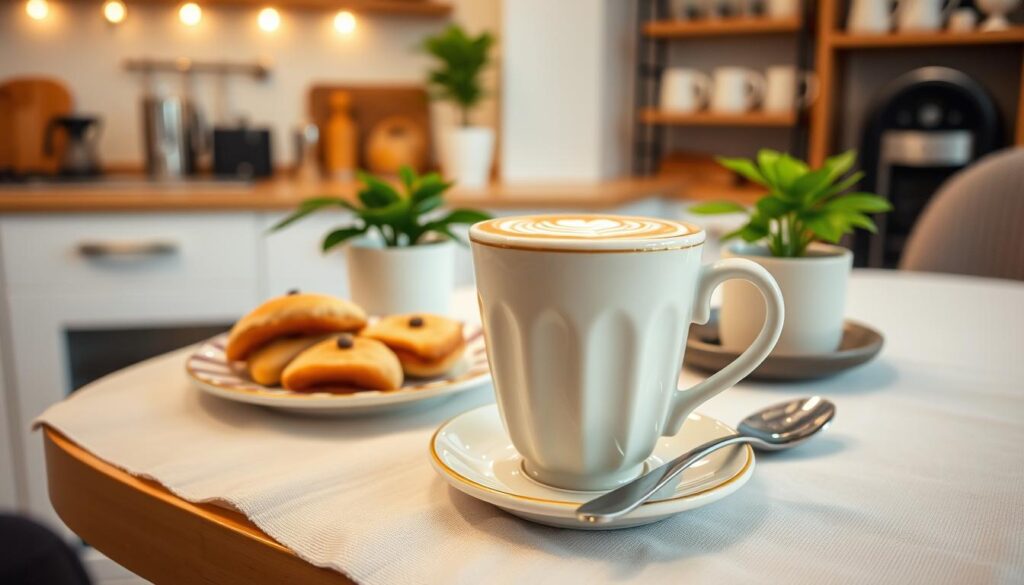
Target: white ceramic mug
(871, 16)
(783, 8)
(962, 20)
(736, 89)
(684, 90)
(923, 15)
(586, 318)
(786, 90)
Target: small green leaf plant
(802, 205)
(400, 218)
(462, 58)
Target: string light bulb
(269, 19)
(190, 14)
(115, 11)
(345, 22)
(37, 9)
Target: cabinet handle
(127, 249)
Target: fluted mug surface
(585, 318)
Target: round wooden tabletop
(158, 535)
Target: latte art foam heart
(585, 232)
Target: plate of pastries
(319, 354)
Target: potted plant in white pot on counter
(792, 231)
(401, 250)
(467, 151)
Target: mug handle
(712, 275)
(811, 87)
(756, 86)
(702, 87)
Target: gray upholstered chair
(975, 223)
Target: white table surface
(920, 479)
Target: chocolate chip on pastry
(426, 345)
(299, 314)
(340, 366)
(267, 362)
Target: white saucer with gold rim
(473, 453)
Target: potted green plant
(467, 151)
(793, 231)
(400, 247)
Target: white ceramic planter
(467, 155)
(814, 292)
(402, 280)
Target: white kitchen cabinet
(159, 272)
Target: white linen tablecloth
(920, 479)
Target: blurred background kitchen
(146, 146)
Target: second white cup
(736, 90)
(684, 90)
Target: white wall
(565, 89)
(77, 46)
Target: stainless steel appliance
(923, 127)
(80, 157)
(172, 135)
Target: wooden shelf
(760, 119)
(405, 8)
(677, 29)
(932, 39)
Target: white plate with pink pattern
(210, 371)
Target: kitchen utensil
(395, 142)
(172, 135)
(473, 453)
(26, 107)
(242, 152)
(787, 89)
(736, 89)
(586, 317)
(341, 138)
(81, 134)
(962, 20)
(923, 15)
(996, 11)
(684, 90)
(307, 142)
(860, 344)
(778, 427)
(871, 16)
(210, 371)
(371, 104)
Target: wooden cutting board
(371, 105)
(26, 107)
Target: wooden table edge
(159, 536)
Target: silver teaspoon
(777, 427)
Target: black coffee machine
(80, 159)
(923, 127)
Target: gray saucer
(860, 344)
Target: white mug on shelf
(684, 90)
(736, 89)
(787, 89)
(923, 15)
(871, 16)
(962, 20)
(780, 9)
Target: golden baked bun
(290, 315)
(266, 363)
(344, 362)
(426, 345)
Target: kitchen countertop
(136, 194)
